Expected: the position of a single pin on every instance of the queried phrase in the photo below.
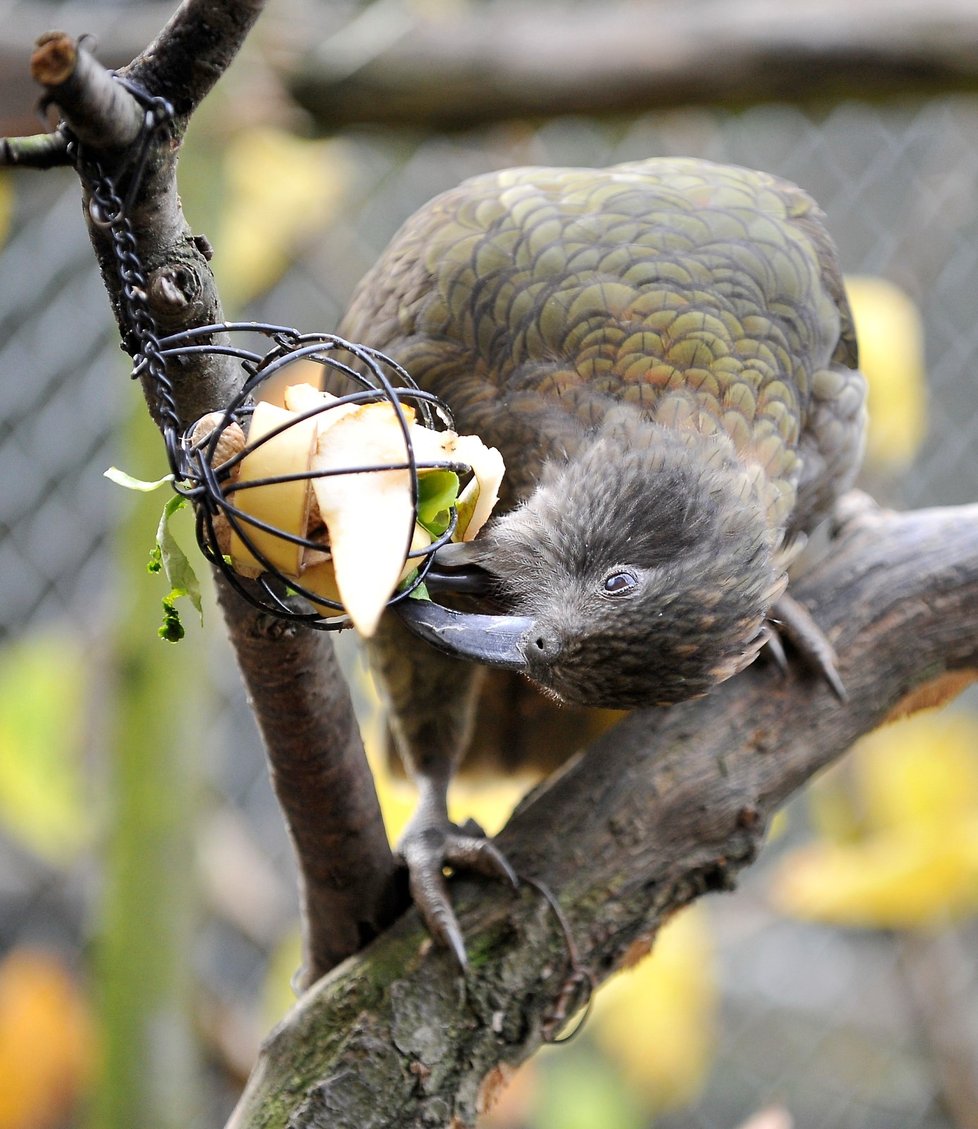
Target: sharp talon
(501, 865)
(774, 648)
(795, 622)
(453, 940)
(831, 676)
(427, 848)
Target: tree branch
(193, 50)
(294, 682)
(507, 59)
(42, 151)
(667, 806)
(99, 110)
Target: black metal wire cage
(355, 374)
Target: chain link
(110, 212)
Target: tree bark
(666, 807)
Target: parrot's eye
(619, 582)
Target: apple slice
(320, 578)
(369, 515)
(284, 505)
(479, 497)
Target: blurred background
(148, 924)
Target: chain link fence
(827, 1022)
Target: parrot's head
(635, 574)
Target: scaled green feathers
(709, 297)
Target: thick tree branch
(296, 688)
(667, 806)
(486, 62)
(323, 782)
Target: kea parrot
(664, 355)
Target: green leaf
(169, 558)
(121, 478)
(437, 493)
(171, 630)
(465, 508)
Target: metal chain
(109, 211)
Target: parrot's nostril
(542, 648)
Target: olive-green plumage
(664, 355)
(708, 297)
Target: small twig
(42, 151)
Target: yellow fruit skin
(284, 505)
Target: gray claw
(774, 648)
(427, 851)
(795, 622)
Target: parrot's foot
(793, 621)
(427, 848)
(855, 510)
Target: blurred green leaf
(581, 1091)
(6, 206)
(42, 716)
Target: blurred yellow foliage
(46, 1042)
(281, 190)
(891, 354)
(489, 801)
(278, 995)
(657, 1020)
(6, 206)
(899, 826)
(42, 716)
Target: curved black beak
(494, 640)
(456, 567)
